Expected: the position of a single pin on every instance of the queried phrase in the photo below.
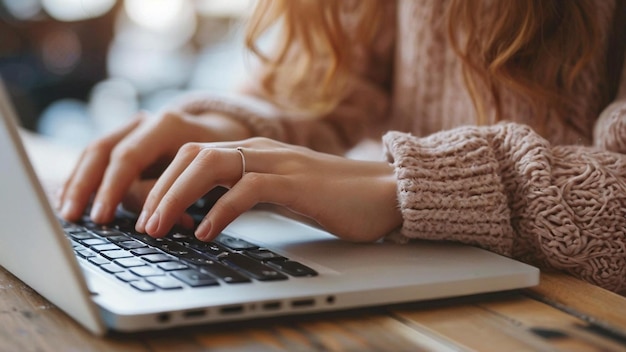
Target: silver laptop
(265, 264)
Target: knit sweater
(555, 199)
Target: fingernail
(202, 232)
(97, 212)
(153, 223)
(140, 225)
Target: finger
(252, 189)
(210, 168)
(262, 154)
(183, 159)
(88, 173)
(134, 199)
(140, 149)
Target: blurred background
(78, 68)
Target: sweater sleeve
(361, 113)
(506, 189)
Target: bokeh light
(76, 10)
(23, 9)
(61, 50)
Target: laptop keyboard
(178, 260)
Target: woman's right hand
(125, 164)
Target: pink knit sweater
(556, 200)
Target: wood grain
(527, 320)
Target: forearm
(244, 115)
(224, 126)
(506, 189)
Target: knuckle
(102, 145)
(125, 154)
(254, 180)
(209, 156)
(170, 118)
(190, 149)
(259, 142)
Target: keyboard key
(173, 248)
(131, 244)
(71, 228)
(198, 260)
(98, 260)
(118, 238)
(292, 268)
(171, 266)
(94, 242)
(102, 230)
(164, 282)
(116, 254)
(211, 249)
(127, 277)
(112, 268)
(234, 243)
(224, 273)
(251, 267)
(157, 258)
(194, 278)
(181, 237)
(81, 235)
(104, 247)
(263, 255)
(146, 271)
(130, 262)
(147, 239)
(145, 250)
(142, 286)
(106, 232)
(86, 253)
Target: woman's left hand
(355, 200)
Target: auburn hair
(536, 48)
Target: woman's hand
(123, 165)
(356, 200)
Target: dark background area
(43, 59)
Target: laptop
(265, 264)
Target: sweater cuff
(449, 189)
(259, 116)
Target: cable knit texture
(556, 200)
(504, 188)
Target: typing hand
(123, 165)
(356, 200)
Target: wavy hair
(536, 48)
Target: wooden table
(562, 313)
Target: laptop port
(163, 318)
(271, 306)
(301, 303)
(231, 309)
(194, 313)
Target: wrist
(225, 127)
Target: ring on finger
(243, 161)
